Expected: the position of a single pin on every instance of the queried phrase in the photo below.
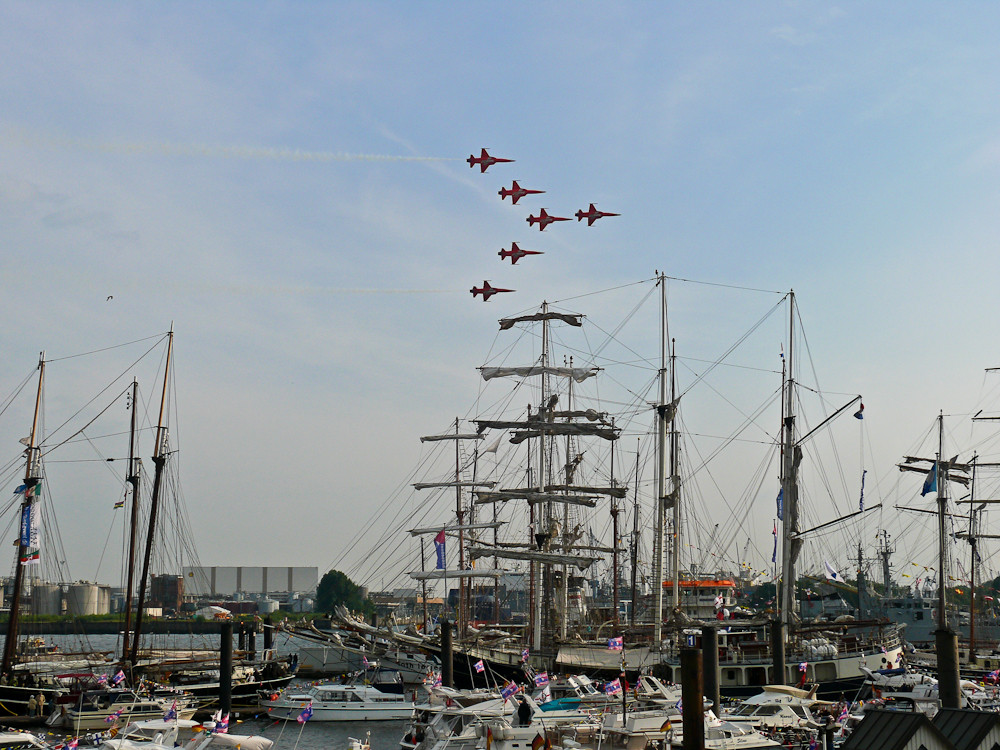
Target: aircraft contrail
(198, 149)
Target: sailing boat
(557, 554)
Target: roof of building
(888, 730)
(964, 728)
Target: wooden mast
(31, 481)
(159, 459)
(132, 479)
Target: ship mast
(132, 479)
(542, 528)
(675, 488)
(789, 488)
(942, 502)
(159, 459)
(31, 482)
(660, 470)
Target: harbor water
(313, 735)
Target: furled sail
(436, 575)
(573, 320)
(545, 557)
(452, 529)
(452, 436)
(533, 496)
(429, 485)
(579, 374)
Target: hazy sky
(202, 164)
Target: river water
(313, 735)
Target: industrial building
(223, 581)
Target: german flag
(538, 743)
(666, 726)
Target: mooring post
(710, 660)
(226, 668)
(949, 682)
(692, 695)
(268, 633)
(778, 652)
(447, 658)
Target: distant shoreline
(71, 626)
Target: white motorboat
(335, 702)
(102, 709)
(21, 741)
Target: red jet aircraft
(515, 253)
(487, 291)
(516, 192)
(485, 161)
(543, 220)
(592, 215)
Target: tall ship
(559, 553)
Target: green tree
(336, 588)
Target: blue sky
(848, 151)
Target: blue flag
(774, 555)
(930, 483)
(439, 546)
(781, 498)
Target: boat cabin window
(799, 711)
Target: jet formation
(515, 192)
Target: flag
(861, 504)
(930, 482)
(546, 695)
(774, 555)
(222, 725)
(437, 680)
(831, 574)
(859, 414)
(364, 661)
(780, 502)
(524, 655)
(171, 715)
(679, 705)
(480, 667)
(542, 678)
(489, 737)
(614, 687)
(493, 448)
(813, 744)
(843, 715)
(803, 665)
(120, 504)
(112, 718)
(118, 677)
(20, 489)
(616, 644)
(306, 714)
(719, 601)
(538, 743)
(666, 726)
(71, 745)
(439, 546)
(102, 679)
(509, 689)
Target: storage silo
(81, 599)
(267, 606)
(103, 599)
(46, 599)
